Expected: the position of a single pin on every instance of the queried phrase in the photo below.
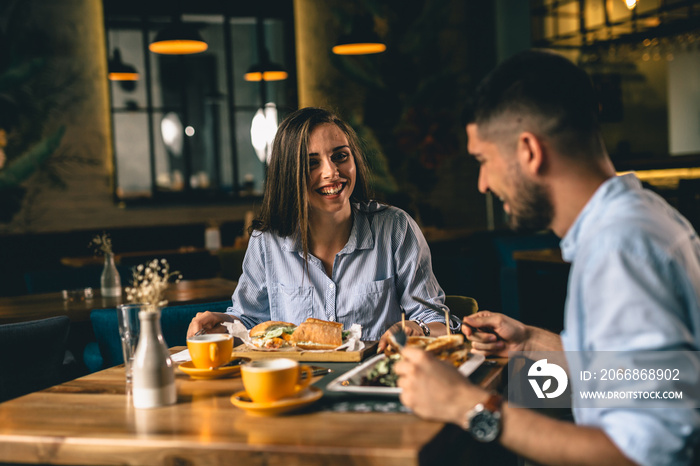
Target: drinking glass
(129, 326)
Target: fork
(399, 338)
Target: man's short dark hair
(545, 87)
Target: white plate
(351, 380)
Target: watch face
(485, 426)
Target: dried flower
(150, 280)
(101, 243)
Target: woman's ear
(531, 153)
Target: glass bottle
(153, 374)
(110, 282)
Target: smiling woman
(322, 248)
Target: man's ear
(531, 153)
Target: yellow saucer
(197, 373)
(303, 398)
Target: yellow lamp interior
(267, 76)
(359, 49)
(123, 76)
(178, 47)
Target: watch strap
(493, 403)
(425, 328)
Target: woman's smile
(331, 170)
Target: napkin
(181, 356)
(353, 343)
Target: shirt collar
(609, 189)
(361, 236)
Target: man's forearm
(542, 340)
(543, 439)
(552, 442)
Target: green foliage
(20, 168)
(414, 91)
(18, 75)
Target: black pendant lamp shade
(178, 39)
(119, 71)
(266, 70)
(361, 40)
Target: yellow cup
(268, 380)
(210, 350)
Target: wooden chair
(33, 355)
(460, 306)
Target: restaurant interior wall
(70, 197)
(73, 189)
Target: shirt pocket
(371, 305)
(291, 303)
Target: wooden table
(90, 420)
(41, 306)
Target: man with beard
(634, 284)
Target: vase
(153, 374)
(110, 283)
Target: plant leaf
(22, 167)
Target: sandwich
(272, 334)
(317, 334)
(451, 348)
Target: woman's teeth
(331, 190)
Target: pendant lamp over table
(361, 40)
(178, 38)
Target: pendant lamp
(178, 39)
(361, 40)
(119, 71)
(265, 70)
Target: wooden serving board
(370, 349)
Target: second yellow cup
(269, 380)
(210, 350)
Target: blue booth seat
(174, 320)
(34, 353)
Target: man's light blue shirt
(634, 285)
(385, 261)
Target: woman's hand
(412, 329)
(210, 321)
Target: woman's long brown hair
(285, 208)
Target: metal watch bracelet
(425, 328)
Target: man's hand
(495, 334)
(210, 321)
(434, 389)
(412, 329)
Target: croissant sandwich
(272, 334)
(316, 334)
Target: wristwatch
(484, 420)
(425, 328)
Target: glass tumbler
(128, 316)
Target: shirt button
(332, 319)
(331, 286)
